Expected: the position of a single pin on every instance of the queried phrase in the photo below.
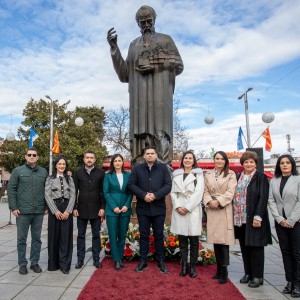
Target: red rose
(151, 238)
(152, 249)
(128, 252)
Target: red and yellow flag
(56, 148)
(266, 134)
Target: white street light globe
(79, 121)
(209, 119)
(10, 136)
(268, 117)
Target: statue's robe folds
(151, 94)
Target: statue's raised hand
(112, 38)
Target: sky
(59, 48)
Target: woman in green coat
(118, 207)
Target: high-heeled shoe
(122, 264)
(288, 288)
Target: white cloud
(66, 55)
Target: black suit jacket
(89, 191)
(257, 201)
(157, 181)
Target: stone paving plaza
(55, 285)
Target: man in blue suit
(151, 182)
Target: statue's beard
(147, 30)
(147, 38)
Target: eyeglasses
(29, 155)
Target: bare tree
(117, 130)
(181, 136)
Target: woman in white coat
(187, 192)
(284, 204)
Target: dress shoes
(36, 268)
(183, 271)
(162, 267)
(141, 267)
(79, 264)
(117, 266)
(193, 272)
(245, 279)
(122, 264)
(23, 270)
(295, 292)
(288, 288)
(65, 271)
(97, 264)
(255, 282)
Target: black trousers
(222, 254)
(60, 240)
(96, 247)
(157, 223)
(289, 242)
(184, 248)
(253, 257)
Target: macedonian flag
(266, 134)
(56, 148)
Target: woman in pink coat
(220, 184)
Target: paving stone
(36, 292)
(80, 281)
(70, 294)
(54, 278)
(9, 291)
(16, 278)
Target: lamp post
(247, 114)
(51, 134)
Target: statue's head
(145, 18)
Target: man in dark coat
(150, 182)
(89, 206)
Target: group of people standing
(236, 208)
(32, 194)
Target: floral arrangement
(171, 243)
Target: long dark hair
(195, 165)
(226, 166)
(278, 172)
(111, 165)
(54, 171)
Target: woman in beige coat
(186, 194)
(220, 184)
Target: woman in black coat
(251, 221)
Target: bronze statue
(151, 66)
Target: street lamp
(247, 114)
(51, 134)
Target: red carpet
(107, 283)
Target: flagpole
(259, 136)
(51, 134)
(247, 114)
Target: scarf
(240, 200)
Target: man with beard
(89, 206)
(151, 66)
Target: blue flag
(32, 137)
(239, 140)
